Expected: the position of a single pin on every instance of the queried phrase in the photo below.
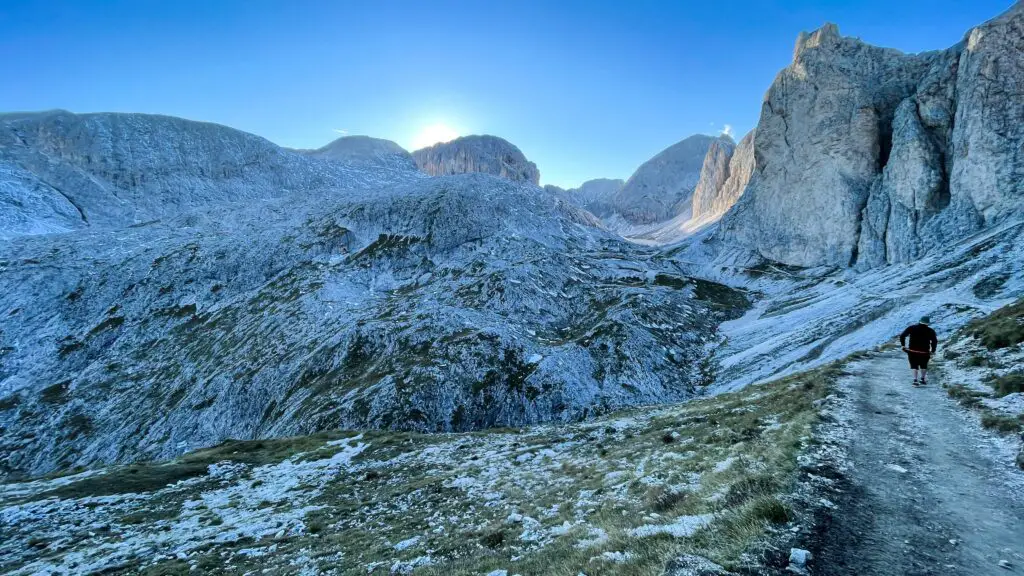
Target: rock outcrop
(61, 171)
(662, 188)
(593, 195)
(723, 178)
(866, 156)
(484, 154)
(365, 151)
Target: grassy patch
(1008, 384)
(1001, 329)
(1002, 424)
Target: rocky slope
(866, 156)
(662, 188)
(366, 152)
(593, 196)
(389, 301)
(484, 154)
(61, 171)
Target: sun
(433, 134)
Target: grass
(1001, 329)
(1003, 424)
(1008, 384)
(731, 456)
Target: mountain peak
(477, 153)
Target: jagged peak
(824, 36)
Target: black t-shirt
(922, 338)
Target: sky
(586, 89)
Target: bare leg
(915, 374)
(924, 375)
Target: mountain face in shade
(366, 151)
(61, 171)
(866, 156)
(484, 154)
(662, 188)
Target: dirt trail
(929, 493)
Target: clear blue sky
(585, 88)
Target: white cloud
(727, 131)
(341, 131)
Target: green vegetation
(1008, 384)
(1002, 424)
(541, 500)
(1001, 329)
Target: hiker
(923, 343)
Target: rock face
(484, 154)
(593, 195)
(367, 152)
(662, 188)
(725, 174)
(61, 171)
(866, 156)
(390, 300)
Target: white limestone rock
(662, 188)
(484, 154)
(365, 151)
(865, 156)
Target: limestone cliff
(485, 154)
(662, 188)
(866, 156)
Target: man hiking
(923, 343)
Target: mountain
(366, 152)
(662, 187)
(723, 178)
(593, 195)
(866, 156)
(387, 300)
(484, 154)
(61, 171)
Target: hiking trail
(929, 491)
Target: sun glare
(433, 134)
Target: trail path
(931, 492)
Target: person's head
(926, 320)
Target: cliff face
(722, 178)
(485, 154)
(662, 188)
(866, 156)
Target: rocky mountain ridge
(909, 152)
(365, 151)
(61, 171)
(484, 154)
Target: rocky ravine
(866, 156)
(484, 154)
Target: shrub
(1000, 329)
(1002, 424)
(1008, 384)
(770, 509)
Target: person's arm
(935, 342)
(903, 337)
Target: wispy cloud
(727, 131)
(341, 131)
